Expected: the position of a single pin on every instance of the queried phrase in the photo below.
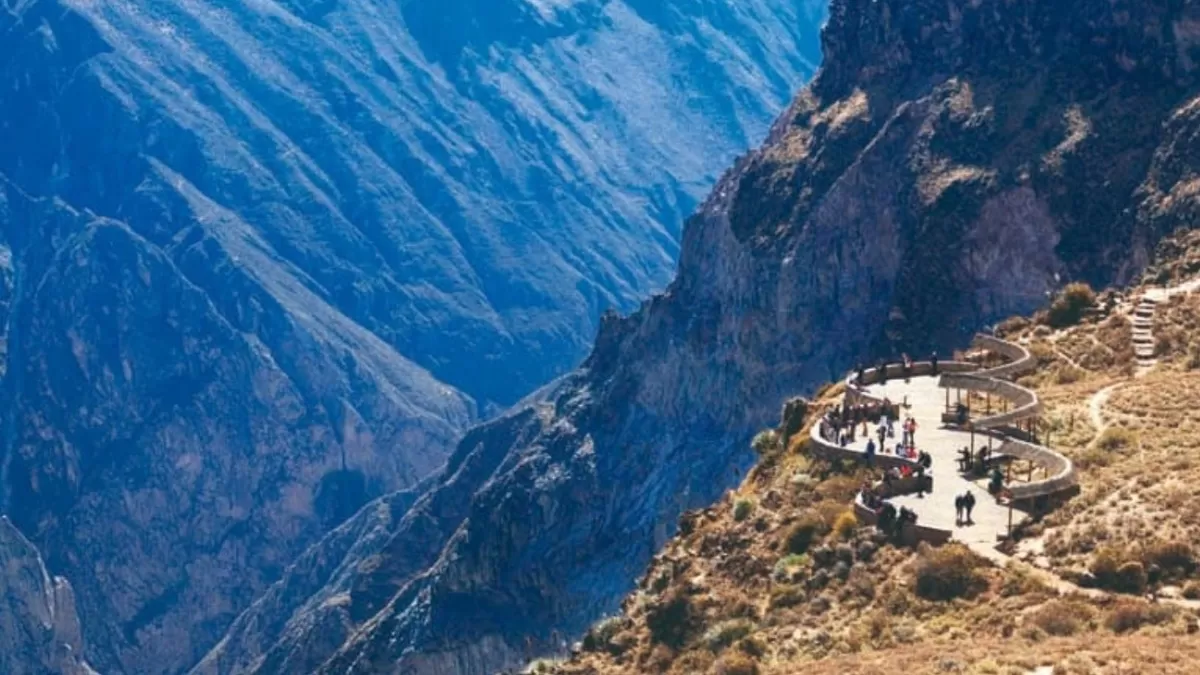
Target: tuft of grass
(767, 442)
(722, 635)
(742, 509)
(845, 525)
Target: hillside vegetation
(778, 578)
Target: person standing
(933, 360)
(969, 505)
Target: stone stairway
(1143, 333)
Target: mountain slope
(39, 630)
(949, 167)
(263, 262)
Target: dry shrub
(1116, 439)
(670, 618)
(1012, 326)
(787, 596)
(1171, 557)
(949, 572)
(695, 661)
(1192, 590)
(1130, 615)
(601, 634)
(724, 634)
(808, 529)
(845, 526)
(735, 663)
(1068, 308)
(1118, 570)
(1062, 618)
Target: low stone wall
(911, 535)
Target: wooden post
(947, 399)
(989, 402)
(1010, 509)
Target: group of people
(977, 463)
(842, 425)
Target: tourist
(861, 375)
(925, 460)
(997, 482)
(969, 505)
(964, 459)
(870, 451)
(883, 372)
(960, 505)
(907, 367)
(933, 360)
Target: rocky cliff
(263, 262)
(952, 164)
(39, 629)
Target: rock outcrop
(39, 629)
(952, 164)
(261, 263)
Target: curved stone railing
(1025, 403)
(1020, 360)
(966, 376)
(1061, 471)
(856, 391)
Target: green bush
(808, 529)
(742, 509)
(724, 634)
(1068, 308)
(949, 572)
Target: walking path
(927, 401)
(1096, 407)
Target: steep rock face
(167, 456)
(472, 181)
(39, 629)
(953, 163)
(263, 262)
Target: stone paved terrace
(927, 401)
